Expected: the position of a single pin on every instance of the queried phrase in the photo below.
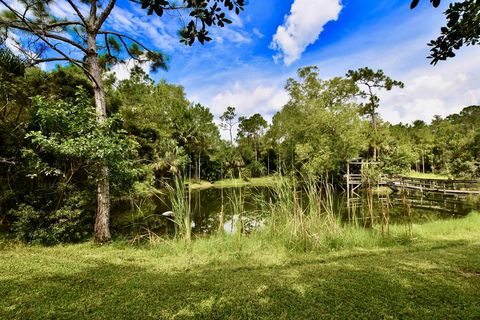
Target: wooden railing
(447, 186)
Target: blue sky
(247, 63)
(239, 67)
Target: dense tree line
(85, 40)
(52, 148)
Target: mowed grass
(435, 276)
(427, 175)
(235, 183)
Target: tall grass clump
(304, 214)
(179, 197)
(281, 204)
(237, 203)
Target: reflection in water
(247, 224)
(207, 206)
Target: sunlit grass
(436, 274)
(253, 182)
(427, 175)
(232, 183)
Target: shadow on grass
(422, 284)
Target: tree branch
(7, 161)
(93, 12)
(104, 15)
(121, 36)
(78, 12)
(38, 61)
(46, 41)
(29, 28)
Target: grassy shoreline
(437, 275)
(231, 183)
(428, 175)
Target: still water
(207, 204)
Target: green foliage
(69, 131)
(66, 224)
(63, 151)
(10, 63)
(462, 29)
(319, 128)
(398, 160)
(369, 82)
(180, 199)
(203, 14)
(251, 144)
(256, 168)
(52, 148)
(170, 130)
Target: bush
(66, 224)
(256, 169)
(465, 168)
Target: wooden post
(348, 188)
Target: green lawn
(428, 175)
(229, 183)
(437, 276)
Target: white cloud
(232, 35)
(122, 70)
(61, 9)
(235, 32)
(248, 100)
(395, 43)
(440, 90)
(258, 33)
(302, 27)
(134, 22)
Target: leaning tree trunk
(102, 218)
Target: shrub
(34, 226)
(256, 168)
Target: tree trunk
(199, 166)
(102, 219)
(423, 161)
(374, 126)
(268, 163)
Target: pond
(206, 207)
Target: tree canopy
(84, 40)
(462, 29)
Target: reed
(303, 214)
(237, 203)
(408, 214)
(282, 202)
(385, 225)
(180, 199)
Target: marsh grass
(385, 223)
(408, 213)
(305, 216)
(237, 205)
(180, 198)
(299, 213)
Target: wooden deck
(397, 183)
(354, 181)
(445, 186)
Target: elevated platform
(445, 186)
